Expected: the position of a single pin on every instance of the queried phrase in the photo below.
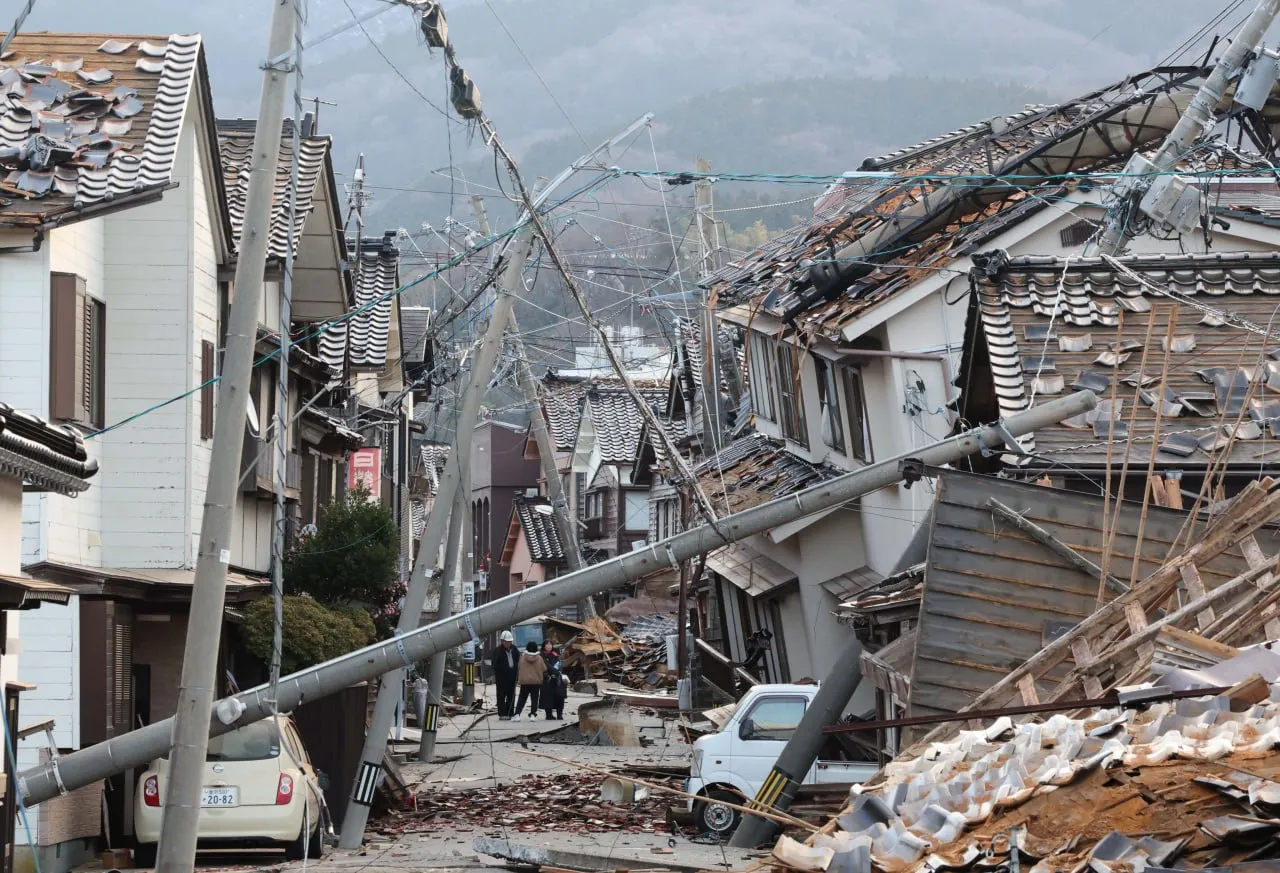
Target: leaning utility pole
(451, 573)
(483, 365)
(138, 747)
(1150, 187)
(190, 729)
(566, 525)
(708, 250)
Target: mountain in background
(790, 86)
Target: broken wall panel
(994, 596)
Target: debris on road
(570, 802)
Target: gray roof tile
(1016, 307)
(235, 145)
(71, 139)
(539, 527)
(50, 457)
(617, 421)
(361, 337)
(755, 469)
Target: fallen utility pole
(1141, 175)
(451, 574)
(189, 737)
(141, 746)
(369, 774)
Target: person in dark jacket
(553, 686)
(505, 662)
(533, 670)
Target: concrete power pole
(483, 365)
(1149, 186)
(190, 738)
(451, 574)
(566, 526)
(708, 252)
(138, 747)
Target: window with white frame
(637, 511)
(829, 404)
(790, 397)
(859, 433)
(761, 375)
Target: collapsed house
(857, 323)
(1156, 744)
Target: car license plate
(219, 797)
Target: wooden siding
(992, 594)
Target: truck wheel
(714, 817)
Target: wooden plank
(1158, 492)
(1252, 552)
(1054, 545)
(1195, 588)
(1027, 688)
(1083, 654)
(1210, 650)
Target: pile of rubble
(634, 656)
(1189, 782)
(1170, 757)
(572, 803)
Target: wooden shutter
(66, 317)
(206, 390)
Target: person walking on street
(553, 689)
(532, 671)
(505, 662)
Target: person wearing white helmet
(505, 662)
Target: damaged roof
(536, 519)
(235, 146)
(929, 205)
(360, 338)
(44, 456)
(1189, 784)
(616, 420)
(433, 457)
(754, 469)
(562, 406)
(1044, 326)
(91, 120)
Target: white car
(259, 786)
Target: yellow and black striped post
(470, 671)
(777, 786)
(431, 721)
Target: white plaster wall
(204, 327)
(150, 360)
(51, 660)
(24, 356)
(251, 533)
(11, 563)
(73, 524)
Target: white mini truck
(260, 791)
(732, 764)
